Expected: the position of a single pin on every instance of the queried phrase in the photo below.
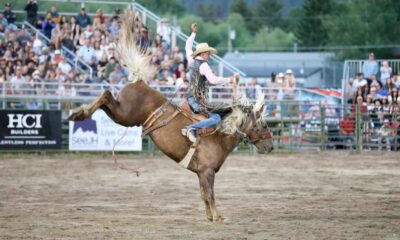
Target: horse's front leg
(206, 178)
(84, 111)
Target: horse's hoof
(218, 219)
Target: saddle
(187, 111)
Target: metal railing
(352, 67)
(215, 60)
(72, 59)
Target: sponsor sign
(28, 129)
(100, 133)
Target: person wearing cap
(290, 79)
(370, 67)
(385, 135)
(116, 14)
(9, 14)
(31, 9)
(83, 19)
(201, 77)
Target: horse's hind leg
(84, 111)
(206, 178)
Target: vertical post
(323, 136)
(173, 33)
(229, 39)
(221, 69)
(358, 128)
(144, 17)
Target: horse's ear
(259, 106)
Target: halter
(264, 135)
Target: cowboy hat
(203, 47)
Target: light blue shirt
(370, 68)
(87, 53)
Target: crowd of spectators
(375, 91)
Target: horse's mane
(134, 58)
(239, 117)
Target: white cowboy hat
(203, 47)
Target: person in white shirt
(360, 81)
(87, 52)
(64, 65)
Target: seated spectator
(396, 81)
(83, 19)
(113, 29)
(116, 75)
(101, 68)
(116, 14)
(64, 66)
(166, 78)
(16, 81)
(66, 89)
(75, 29)
(56, 35)
(87, 52)
(381, 92)
(360, 81)
(3, 22)
(64, 22)
(144, 41)
(110, 67)
(385, 135)
(370, 67)
(57, 58)
(99, 15)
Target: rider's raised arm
(206, 71)
(189, 46)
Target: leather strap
(162, 123)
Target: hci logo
(24, 120)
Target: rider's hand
(194, 27)
(235, 78)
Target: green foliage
(274, 40)
(209, 12)
(240, 7)
(311, 31)
(268, 13)
(163, 7)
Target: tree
(209, 12)
(362, 24)
(272, 40)
(240, 7)
(163, 7)
(268, 13)
(311, 31)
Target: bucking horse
(137, 104)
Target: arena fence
(296, 125)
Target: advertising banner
(30, 130)
(100, 133)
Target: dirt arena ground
(281, 196)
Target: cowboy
(200, 77)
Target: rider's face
(205, 55)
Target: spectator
(83, 19)
(360, 81)
(3, 22)
(396, 81)
(100, 15)
(55, 16)
(16, 81)
(88, 31)
(143, 40)
(386, 71)
(179, 71)
(114, 29)
(253, 90)
(67, 40)
(350, 90)
(87, 52)
(63, 21)
(48, 25)
(57, 58)
(385, 135)
(64, 66)
(31, 9)
(116, 75)
(9, 15)
(290, 79)
(66, 89)
(75, 29)
(370, 67)
(101, 68)
(166, 77)
(116, 14)
(164, 31)
(56, 35)
(109, 67)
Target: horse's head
(256, 130)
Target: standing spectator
(164, 31)
(116, 14)
(100, 15)
(48, 25)
(87, 52)
(55, 16)
(386, 71)
(31, 9)
(290, 79)
(83, 19)
(350, 90)
(385, 134)
(9, 15)
(370, 67)
(253, 90)
(75, 29)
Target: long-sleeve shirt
(205, 69)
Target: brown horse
(138, 104)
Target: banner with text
(30, 130)
(100, 133)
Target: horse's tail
(134, 58)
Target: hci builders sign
(20, 129)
